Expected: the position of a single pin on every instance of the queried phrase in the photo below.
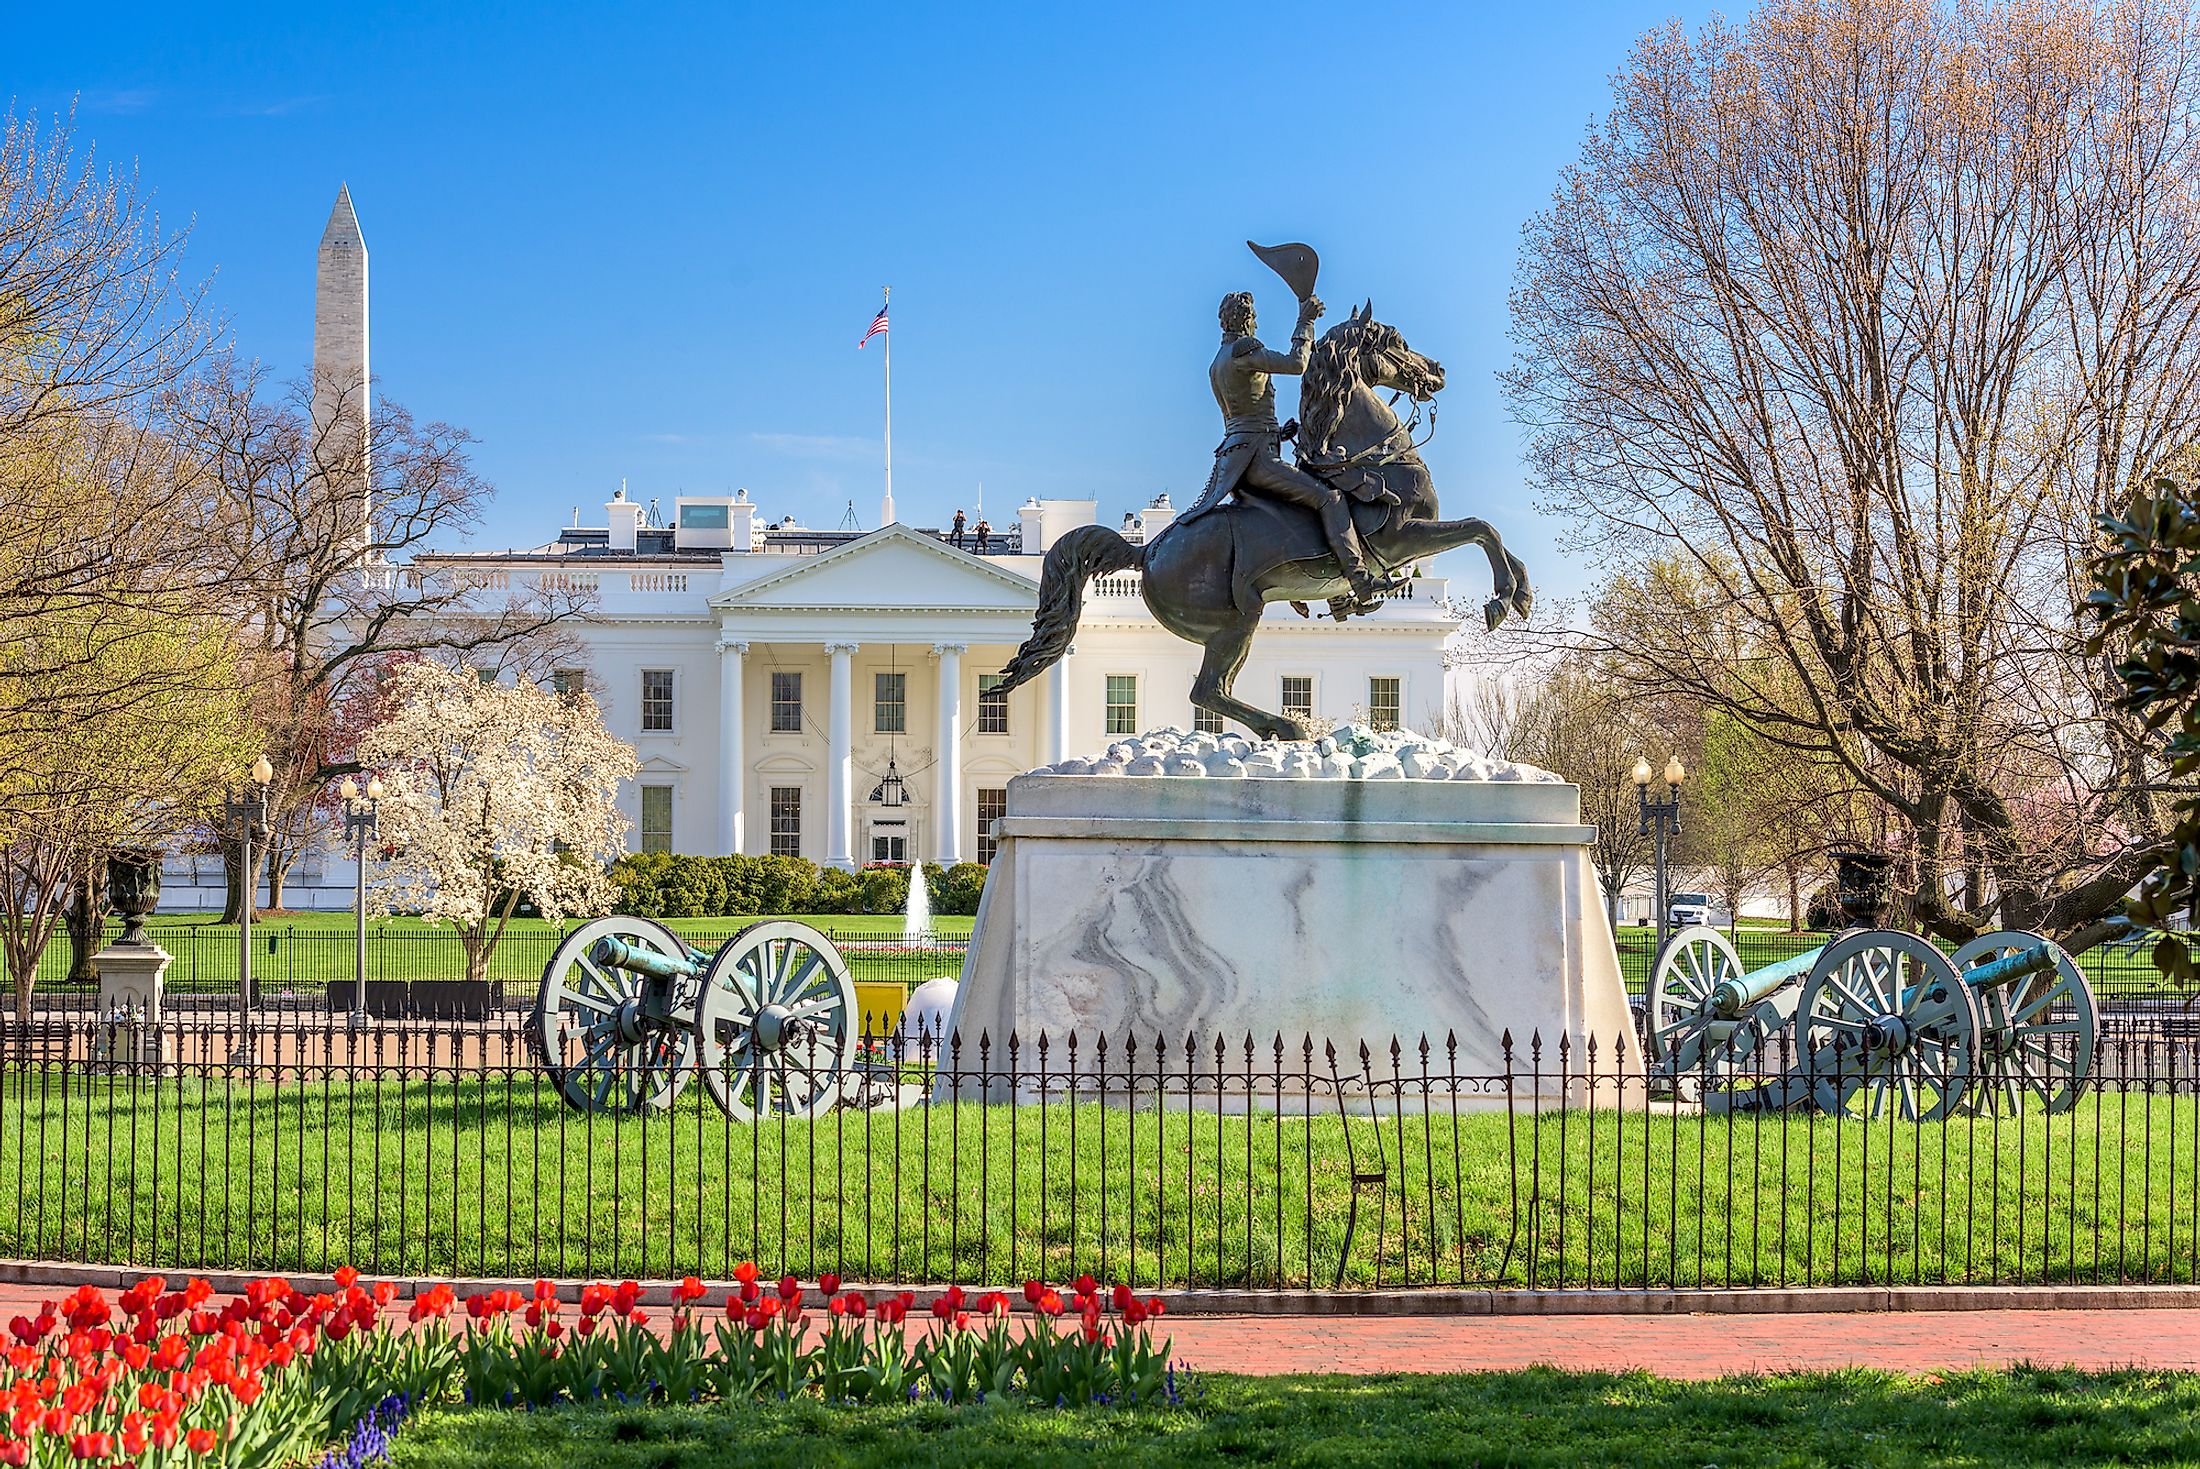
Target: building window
(656, 818)
(890, 846)
(1122, 704)
(992, 806)
(568, 683)
(1206, 721)
(1298, 695)
(992, 704)
(786, 703)
(786, 810)
(890, 703)
(486, 674)
(656, 701)
(1382, 702)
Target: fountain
(916, 914)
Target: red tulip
(199, 1440)
(790, 1289)
(346, 1277)
(746, 1272)
(828, 1282)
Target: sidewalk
(1712, 1344)
(1690, 1346)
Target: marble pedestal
(129, 1001)
(1348, 911)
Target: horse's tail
(1079, 556)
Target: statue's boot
(1344, 544)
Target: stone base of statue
(130, 1031)
(1229, 889)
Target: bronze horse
(1208, 580)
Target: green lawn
(1518, 1419)
(303, 952)
(491, 1175)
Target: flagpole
(886, 510)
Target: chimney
(743, 522)
(1032, 519)
(1155, 518)
(626, 521)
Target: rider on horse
(1250, 456)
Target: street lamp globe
(262, 772)
(1674, 774)
(349, 790)
(1642, 772)
(374, 787)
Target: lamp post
(247, 812)
(360, 812)
(1662, 815)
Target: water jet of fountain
(916, 914)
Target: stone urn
(133, 890)
(1860, 885)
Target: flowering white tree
(496, 792)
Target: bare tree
(103, 522)
(1575, 721)
(1863, 310)
(314, 536)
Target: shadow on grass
(1534, 1418)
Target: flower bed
(275, 1375)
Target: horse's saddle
(1266, 534)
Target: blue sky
(615, 243)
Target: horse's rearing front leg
(1508, 577)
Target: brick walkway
(1684, 1346)
(1691, 1346)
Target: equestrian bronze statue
(1344, 525)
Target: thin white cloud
(118, 101)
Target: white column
(841, 770)
(947, 801)
(733, 775)
(1058, 688)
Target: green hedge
(671, 885)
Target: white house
(777, 682)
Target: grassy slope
(494, 1176)
(1534, 1418)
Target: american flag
(878, 328)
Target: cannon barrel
(2010, 968)
(1733, 996)
(616, 953)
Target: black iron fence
(1197, 1162)
(295, 966)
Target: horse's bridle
(1377, 456)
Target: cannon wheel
(777, 1023)
(606, 1040)
(2017, 1049)
(1693, 963)
(1885, 1021)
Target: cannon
(628, 1014)
(1876, 1018)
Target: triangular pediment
(890, 569)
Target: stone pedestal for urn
(129, 1001)
(1353, 904)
